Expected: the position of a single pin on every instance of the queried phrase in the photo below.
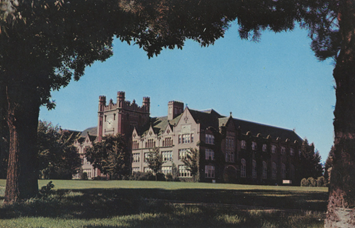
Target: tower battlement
(123, 104)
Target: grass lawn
(167, 204)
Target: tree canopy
(46, 43)
(110, 156)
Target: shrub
(84, 176)
(312, 182)
(321, 182)
(304, 182)
(160, 177)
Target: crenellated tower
(121, 117)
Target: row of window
(168, 155)
(264, 148)
(185, 138)
(183, 172)
(264, 170)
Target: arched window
(254, 174)
(273, 171)
(264, 175)
(243, 168)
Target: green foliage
(46, 190)
(321, 181)
(142, 176)
(312, 182)
(155, 161)
(110, 156)
(310, 161)
(58, 158)
(304, 182)
(191, 161)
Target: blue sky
(277, 81)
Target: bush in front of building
(311, 182)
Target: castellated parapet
(123, 104)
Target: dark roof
(266, 130)
(159, 124)
(207, 118)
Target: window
(147, 169)
(264, 175)
(273, 149)
(135, 169)
(136, 157)
(182, 153)
(167, 142)
(264, 147)
(253, 173)
(135, 145)
(209, 154)
(283, 150)
(292, 152)
(209, 171)
(146, 156)
(150, 143)
(229, 156)
(243, 144)
(230, 143)
(283, 171)
(183, 172)
(299, 152)
(243, 168)
(253, 146)
(273, 171)
(186, 138)
(209, 139)
(166, 170)
(167, 155)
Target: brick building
(231, 150)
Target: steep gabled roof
(266, 130)
(207, 118)
(91, 130)
(159, 124)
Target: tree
(44, 44)
(191, 162)
(310, 161)
(57, 157)
(110, 156)
(155, 161)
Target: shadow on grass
(107, 203)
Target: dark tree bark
(341, 211)
(22, 118)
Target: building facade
(230, 149)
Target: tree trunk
(341, 204)
(22, 119)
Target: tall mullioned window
(167, 142)
(182, 153)
(183, 172)
(185, 138)
(209, 171)
(135, 145)
(136, 157)
(209, 139)
(264, 147)
(209, 154)
(273, 171)
(264, 175)
(243, 168)
(243, 144)
(253, 146)
(167, 155)
(253, 173)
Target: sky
(277, 81)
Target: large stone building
(231, 150)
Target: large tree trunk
(22, 119)
(341, 205)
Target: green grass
(167, 204)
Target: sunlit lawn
(167, 204)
